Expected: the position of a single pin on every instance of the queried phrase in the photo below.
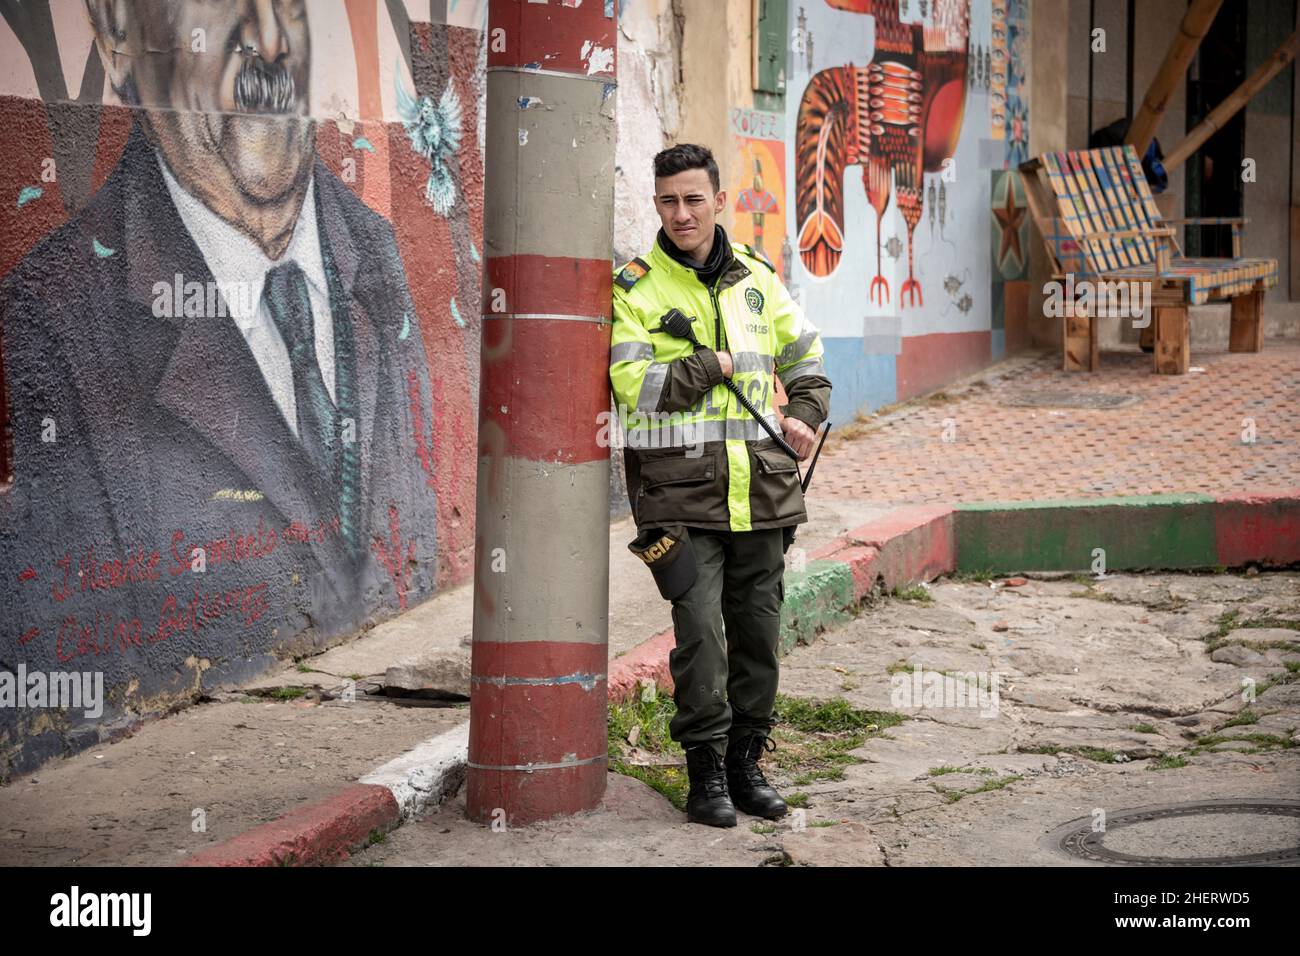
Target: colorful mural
(241, 394)
(896, 271)
(759, 188)
(1009, 246)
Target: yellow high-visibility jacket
(693, 454)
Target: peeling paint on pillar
(538, 709)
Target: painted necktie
(289, 303)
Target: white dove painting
(434, 132)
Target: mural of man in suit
(205, 476)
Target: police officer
(698, 463)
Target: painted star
(1010, 216)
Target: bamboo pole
(1238, 98)
(1196, 23)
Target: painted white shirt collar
(237, 262)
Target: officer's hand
(799, 436)
(724, 359)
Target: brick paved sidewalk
(1180, 433)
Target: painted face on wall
(224, 89)
(688, 208)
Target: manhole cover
(1060, 398)
(1208, 833)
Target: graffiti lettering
(104, 634)
(233, 547)
(94, 575)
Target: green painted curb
(815, 599)
(1147, 531)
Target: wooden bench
(1101, 228)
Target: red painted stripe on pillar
(540, 795)
(551, 378)
(553, 36)
(537, 723)
(519, 724)
(538, 658)
(548, 284)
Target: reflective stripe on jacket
(694, 455)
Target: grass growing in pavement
(649, 714)
(941, 771)
(1260, 743)
(1092, 594)
(1231, 621)
(1274, 622)
(813, 740)
(1246, 716)
(1217, 637)
(972, 576)
(952, 796)
(916, 593)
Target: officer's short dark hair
(684, 156)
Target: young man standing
(703, 471)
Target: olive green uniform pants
(728, 625)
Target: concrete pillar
(538, 708)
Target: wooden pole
(1239, 97)
(1196, 23)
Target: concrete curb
(313, 835)
(911, 545)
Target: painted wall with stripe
(241, 260)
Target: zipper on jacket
(717, 318)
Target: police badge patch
(754, 299)
(630, 273)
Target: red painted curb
(646, 662)
(1259, 529)
(913, 543)
(314, 835)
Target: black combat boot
(708, 801)
(749, 788)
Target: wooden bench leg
(1147, 340)
(1173, 343)
(1246, 334)
(1080, 343)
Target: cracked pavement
(1099, 682)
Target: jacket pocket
(680, 490)
(675, 471)
(774, 491)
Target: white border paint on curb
(421, 776)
